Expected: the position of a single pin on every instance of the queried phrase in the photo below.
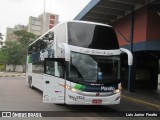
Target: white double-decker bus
(77, 62)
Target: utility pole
(44, 6)
(131, 76)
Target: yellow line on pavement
(141, 101)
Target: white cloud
(14, 12)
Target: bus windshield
(93, 68)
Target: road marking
(141, 101)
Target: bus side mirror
(130, 56)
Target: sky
(13, 12)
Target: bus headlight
(74, 90)
(117, 91)
(69, 88)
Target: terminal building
(137, 24)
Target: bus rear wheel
(30, 82)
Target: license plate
(97, 101)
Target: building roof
(108, 11)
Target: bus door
(54, 78)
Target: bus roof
(76, 21)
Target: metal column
(131, 72)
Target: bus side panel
(53, 92)
(37, 81)
(28, 69)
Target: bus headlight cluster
(69, 88)
(74, 90)
(117, 91)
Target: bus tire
(60, 104)
(30, 82)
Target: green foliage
(24, 37)
(9, 53)
(1, 36)
(2, 67)
(15, 52)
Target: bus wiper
(75, 79)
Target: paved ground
(146, 97)
(15, 95)
(151, 96)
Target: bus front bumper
(77, 99)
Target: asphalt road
(15, 95)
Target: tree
(9, 53)
(1, 39)
(1, 36)
(15, 53)
(3, 55)
(24, 38)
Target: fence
(15, 68)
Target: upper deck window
(92, 36)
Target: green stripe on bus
(79, 87)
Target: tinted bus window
(41, 49)
(92, 36)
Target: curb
(11, 75)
